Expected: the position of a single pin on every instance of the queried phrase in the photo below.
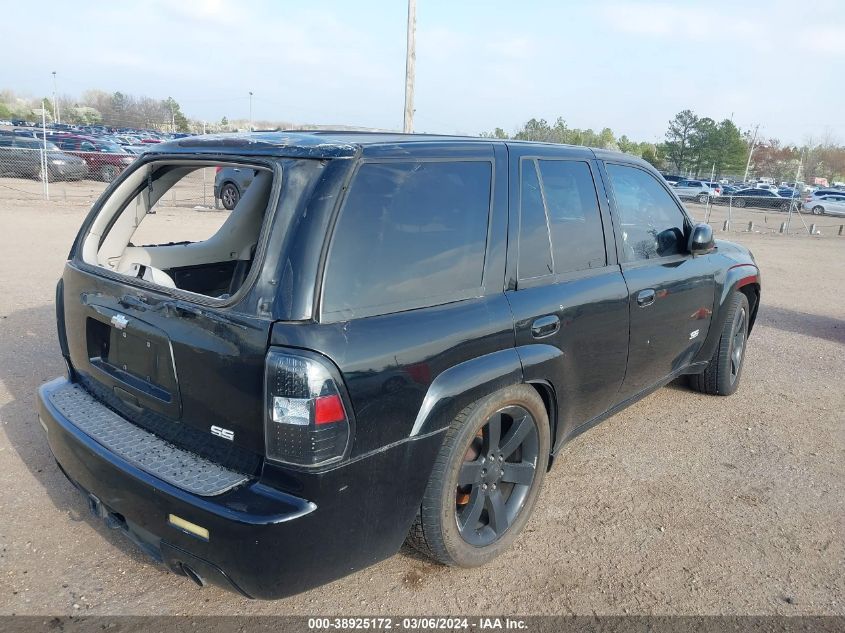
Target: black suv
(388, 339)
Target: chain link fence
(74, 170)
(39, 167)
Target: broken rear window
(162, 225)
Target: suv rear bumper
(262, 542)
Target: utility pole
(56, 100)
(250, 110)
(750, 152)
(410, 63)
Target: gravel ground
(682, 504)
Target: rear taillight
(305, 420)
(217, 169)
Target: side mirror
(701, 239)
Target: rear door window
(410, 234)
(535, 251)
(560, 228)
(574, 217)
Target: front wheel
(703, 198)
(739, 203)
(721, 378)
(818, 210)
(485, 480)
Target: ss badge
(226, 434)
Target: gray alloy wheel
(739, 203)
(703, 198)
(108, 173)
(818, 210)
(485, 480)
(784, 206)
(738, 338)
(229, 196)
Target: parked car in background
(715, 188)
(22, 156)
(230, 184)
(811, 197)
(729, 190)
(760, 198)
(672, 179)
(105, 159)
(832, 204)
(766, 186)
(697, 189)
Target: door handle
(646, 297)
(545, 326)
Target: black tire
(108, 173)
(505, 506)
(229, 196)
(784, 206)
(721, 378)
(739, 203)
(818, 210)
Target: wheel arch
(461, 385)
(745, 278)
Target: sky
(628, 65)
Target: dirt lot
(682, 504)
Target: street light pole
(56, 112)
(410, 66)
(250, 111)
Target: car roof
(342, 143)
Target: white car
(765, 185)
(829, 205)
(694, 189)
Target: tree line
(693, 145)
(700, 146)
(97, 107)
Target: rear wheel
(739, 203)
(818, 210)
(703, 198)
(485, 480)
(229, 196)
(108, 173)
(784, 206)
(721, 378)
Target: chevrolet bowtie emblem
(120, 321)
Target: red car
(105, 159)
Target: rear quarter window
(410, 234)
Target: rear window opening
(162, 227)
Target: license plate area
(135, 359)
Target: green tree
(679, 139)
(180, 121)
